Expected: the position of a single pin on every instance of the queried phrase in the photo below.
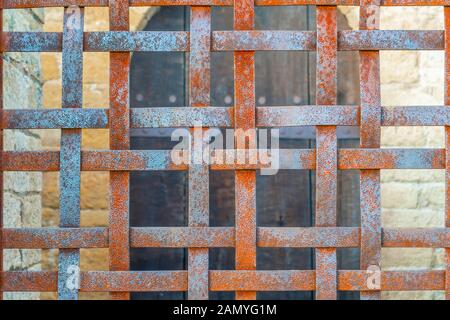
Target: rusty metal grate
(245, 237)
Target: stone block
(412, 218)
(95, 96)
(21, 140)
(408, 258)
(96, 19)
(404, 137)
(50, 217)
(54, 19)
(31, 211)
(399, 66)
(432, 195)
(23, 182)
(12, 208)
(411, 18)
(399, 195)
(413, 295)
(94, 190)
(94, 218)
(95, 139)
(52, 94)
(22, 87)
(94, 259)
(96, 68)
(51, 65)
(413, 175)
(50, 190)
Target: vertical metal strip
(70, 156)
(370, 132)
(326, 170)
(245, 118)
(119, 135)
(199, 96)
(447, 144)
(1, 156)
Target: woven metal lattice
(245, 237)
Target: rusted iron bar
(198, 174)
(232, 280)
(416, 237)
(370, 132)
(56, 238)
(174, 117)
(70, 155)
(290, 159)
(347, 40)
(223, 237)
(245, 119)
(326, 146)
(119, 136)
(16, 4)
(147, 41)
(447, 143)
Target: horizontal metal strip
(73, 118)
(392, 158)
(263, 40)
(285, 116)
(31, 42)
(392, 280)
(55, 238)
(98, 281)
(286, 280)
(182, 117)
(225, 237)
(126, 160)
(391, 40)
(415, 116)
(305, 280)
(290, 116)
(137, 41)
(98, 41)
(99, 118)
(179, 237)
(16, 4)
(229, 280)
(227, 40)
(348, 237)
(349, 159)
(290, 159)
(29, 281)
(221, 237)
(416, 237)
(347, 40)
(308, 237)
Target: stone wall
(22, 190)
